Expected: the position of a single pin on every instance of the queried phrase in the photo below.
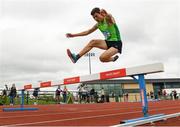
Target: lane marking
(62, 113)
(89, 110)
(89, 117)
(120, 108)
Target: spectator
(4, 92)
(84, 94)
(64, 93)
(172, 95)
(76, 95)
(35, 94)
(12, 94)
(151, 94)
(164, 94)
(113, 96)
(175, 94)
(80, 93)
(96, 97)
(58, 93)
(160, 93)
(107, 97)
(4, 96)
(126, 95)
(148, 95)
(92, 92)
(102, 95)
(87, 94)
(6, 87)
(7, 90)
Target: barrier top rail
(118, 73)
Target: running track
(105, 114)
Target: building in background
(124, 88)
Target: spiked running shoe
(72, 56)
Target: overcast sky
(33, 43)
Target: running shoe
(72, 56)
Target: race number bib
(106, 34)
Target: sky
(33, 42)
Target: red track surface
(85, 114)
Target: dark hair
(95, 10)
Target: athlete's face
(98, 17)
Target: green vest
(110, 32)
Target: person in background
(172, 95)
(58, 93)
(4, 92)
(126, 97)
(87, 90)
(102, 95)
(12, 94)
(92, 92)
(6, 88)
(113, 96)
(64, 93)
(4, 95)
(80, 92)
(151, 94)
(175, 94)
(164, 94)
(35, 94)
(84, 94)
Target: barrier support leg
(142, 86)
(22, 108)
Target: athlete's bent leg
(107, 56)
(98, 43)
(93, 43)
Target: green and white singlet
(110, 32)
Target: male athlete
(112, 43)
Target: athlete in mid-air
(112, 43)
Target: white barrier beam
(118, 73)
(145, 69)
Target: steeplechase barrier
(137, 73)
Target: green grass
(41, 100)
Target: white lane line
(43, 114)
(89, 110)
(19, 113)
(89, 117)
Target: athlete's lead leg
(93, 43)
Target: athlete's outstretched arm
(84, 33)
